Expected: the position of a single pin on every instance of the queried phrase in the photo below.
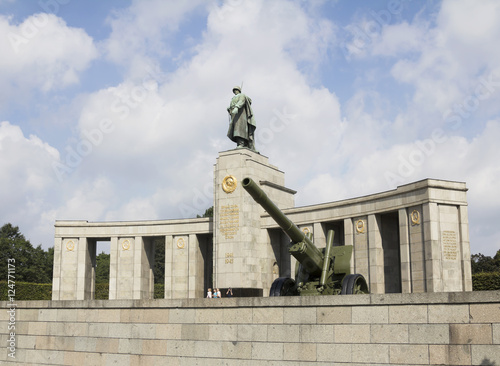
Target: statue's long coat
(242, 122)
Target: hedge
(25, 291)
(486, 281)
(43, 291)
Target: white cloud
(41, 53)
(27, 179)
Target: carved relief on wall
(360, 226)
(126, 244)
(415, 217)
(229, 184)
(70, 245)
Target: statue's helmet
(237, 88)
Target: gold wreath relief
(180, 243)
(126, 244)
(70, 245)
(229, 184)
(360, 226)
(415, 217)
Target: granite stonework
(411, 239)
(447, 328)
(243, 256)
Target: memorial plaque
(450, 245)
(229, 220)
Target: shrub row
(486, 281)
(43, 291)
(25, 291)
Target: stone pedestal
(243, 257)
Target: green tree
(209, 212)
(483, 263)
(102, 268)
(159, 266)
(31, 264)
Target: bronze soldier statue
(242, 123)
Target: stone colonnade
(131, 258)
(410, 239)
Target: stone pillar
(131, 268)
(241, 254)
(169, 239)
(464, 240)
(85, 269)
(319, 235)
(349, 240)
(180, 267)
(417, 248)
(74, 261)
(432, 246)
(143, 269)
(57, 276)
(113, 268)
(193, 260)
(404, 245)
(451, 249)
(360, 249)
(376, 255)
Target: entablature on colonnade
(404, 196)
(86, 229)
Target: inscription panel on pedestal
(229, 223)
(449, 245)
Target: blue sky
(116, 110)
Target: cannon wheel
(354, 284)
(283, 286)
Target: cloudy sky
(116, 110)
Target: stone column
(56, 276)
(192, 266)
(85, 269)
(180, 267)
(113, 268)
(319, 235)
(376, 255)
(168, 266)
(404, 248)
(360, 249)
(432, 245)
(465, 246)
(349, 240)
(143, 274)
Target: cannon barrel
(303, 248)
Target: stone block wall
(393, 329)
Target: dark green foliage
(486, 281)
(101, 291)
(31, 264)
(485, 272)
(102, 268)
(209, 212)
(159, 266)
(26, 291)
(483, 263)
(159, 291)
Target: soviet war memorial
(240, 182)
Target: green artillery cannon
(318, 272)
